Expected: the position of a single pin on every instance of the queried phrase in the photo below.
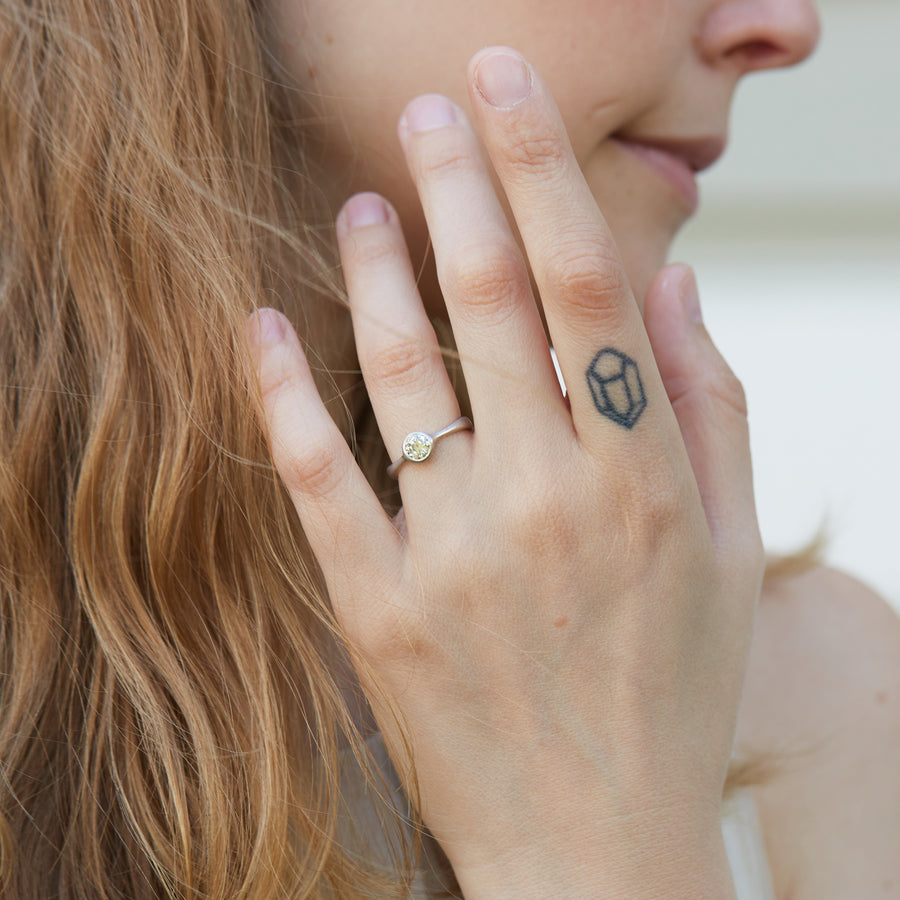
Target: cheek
(359, 63)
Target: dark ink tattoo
(616, 387)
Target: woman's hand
(559, 618)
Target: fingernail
(263, 328)
(503, 79)
(428, 112)
(690, 297)
(365, 209)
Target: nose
(760, 34)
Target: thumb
(711, 410)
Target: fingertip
(366, 208)
(689, 294)
(501, 77)
(276, 355)
(669, 278)
(263, 328)
(674, 288)
(486, 51)
(664, 310)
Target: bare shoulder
(823, 696)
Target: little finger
(347, 529)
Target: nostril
(757, 55)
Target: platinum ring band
(417, 445)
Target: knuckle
(446, 160)
(537, 521)
(590, 280)
(394, 636)
(716, 387)
(661, 503)
(536, 157)
(374, 251)
(283, 378)
(314, 468)
(276, 379)
(664, 503)
(403, 366)
(654, 510)
(489, 283)
(728, 388)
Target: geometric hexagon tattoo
(616, 387)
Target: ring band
(417, 445)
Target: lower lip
(676, 171)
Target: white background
(797, 250)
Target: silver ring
(417, 445)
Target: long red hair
(171, 724)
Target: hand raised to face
(561, 624)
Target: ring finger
(398, 351)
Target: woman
(553, 633)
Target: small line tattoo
(616, 387)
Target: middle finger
(484, 279)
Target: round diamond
(417, 446)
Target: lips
(676, 160)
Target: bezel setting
(417, 446)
